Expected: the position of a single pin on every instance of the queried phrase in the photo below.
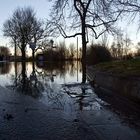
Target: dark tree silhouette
(97, 16)
(132, 7)
(23, 27)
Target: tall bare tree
(97, 16)
(23, 27)
(84, 15)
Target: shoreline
(127, 86)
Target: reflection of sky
(68, 78)
(7, 78)
(69, 98)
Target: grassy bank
(123, 68)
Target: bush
(98, 53)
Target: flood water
(60, 73)
(61, 102)
(57, 85)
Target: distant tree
(113, 50)
(97, 53)
(23, 27)
(104, 40)
(120, 45)
(138, 49)
(71, 51)
(127, 44)
(62, 50)
(4, 53)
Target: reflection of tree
(60, 69)
(40, 77)
(5, 68)
(55, 97)
(28, 85)
(81, 104)
(83, 72)
(53, 69)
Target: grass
(123, 68)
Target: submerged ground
(51, 103)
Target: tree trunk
(83, 51)
(15, 43)
(33, 54)
(23, 52)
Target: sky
(7, 7)
(42, 9)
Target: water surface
(57, 85)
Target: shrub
(97, 53)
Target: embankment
(127, 86)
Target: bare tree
(23, 27)
(37, 34)
(104, 40)
(120, 45)
(138, 49)
(4, 53)
(62, 50)
(127, 44)
(85, 15)
(132, 7)
(72, 51)
(113, 50)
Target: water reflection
(34, 79)
(5, 68)
(58, 85)
(27, 84)
(62, 69)
(48, 83)
(83, 95)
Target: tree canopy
(23, 27)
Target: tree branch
(105, 23)
(63, 33)
(79, 12)
(129, 4)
